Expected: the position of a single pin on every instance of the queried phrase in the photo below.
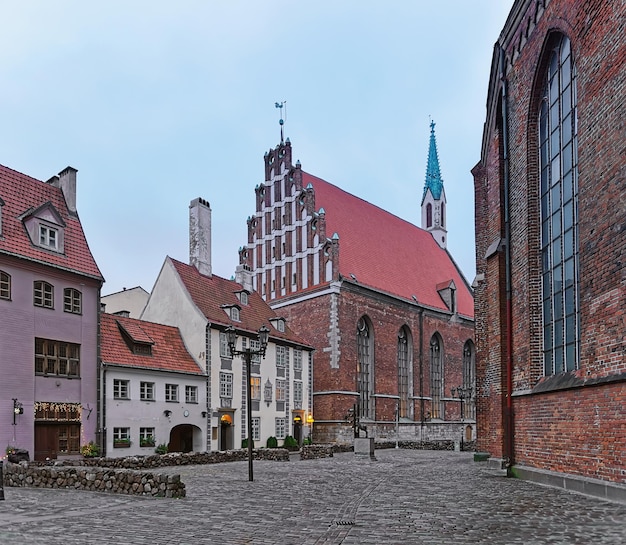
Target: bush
(272, 442)
(161, 449)
(90, 450)
(290, 443)
(244, 443)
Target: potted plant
(147, 441)
(161, 449)
(90, 450)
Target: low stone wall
(313, 452)
(94, 480)
(177, 459)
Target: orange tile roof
(385, 252)
(168, 349)
(211, 293)
(22, 193)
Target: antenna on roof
(281, 122)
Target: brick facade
(321, 259)
(572, 421)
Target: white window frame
(171, 393)
(281, 390)
(191, 394)
(121, 388)
(226, 385)
(48, 237)
(256, 428)
(146, 391)
(280, 428)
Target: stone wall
(94, 479)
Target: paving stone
(404, 497)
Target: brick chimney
(200, 236)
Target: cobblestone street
(404, 497)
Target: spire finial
(281, 122)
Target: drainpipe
(421, 363)
(508, 426)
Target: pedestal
(364, 447)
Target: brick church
(550, 200)
(387, 310)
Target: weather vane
(282, 120)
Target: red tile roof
(168, 350)
(22, 193)
(211, 293)
(385, 252)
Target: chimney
(200, 236)
(67, 183)
(243, 276)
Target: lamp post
(463, 393)
(247, 354)
(309, 421)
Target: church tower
(434, 197)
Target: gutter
(508, 412)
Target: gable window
(121, 389)
(43, 294)
(5, 285)
(48, 237)
(365, 377)
(436, 377)
(558, 145)
(57, 358)
(72, 301)
(146, 391)
(191, 394)
(243, 297)
(405, 350)
(171, 393)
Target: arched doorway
(227, 436)
(182, 438)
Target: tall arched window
(469, 379)
(436, 376)
(558, 144)
(365, 374)
(429, 215)
(405, 366)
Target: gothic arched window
(558, 146)
(365, 364)
(429, 215)
(469, 378)
(436, 376)
(405, 367)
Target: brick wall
(552, 417)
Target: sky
(157, 103)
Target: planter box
(121, 444)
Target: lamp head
(264, 336)
(231, 338)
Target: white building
(202, 306)
(152, 391)
(128, 302)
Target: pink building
(49, 302)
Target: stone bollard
(1, 481)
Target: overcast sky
(159, 102)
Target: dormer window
(243, 297)
(234, 314)
(48, 237)
(279, 324)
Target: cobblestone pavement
(404, 497)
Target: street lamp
(463, 394)
(18, 408)
(247, 353)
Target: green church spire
(433, 174)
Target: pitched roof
(212, 293)
(22, 194)
(385, 252)
(168, 350)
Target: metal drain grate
(343, 523)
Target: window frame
(171, 392)
(436, 377)
(43, 294)
(226, 385)
(5, 285)
(48, 237)
(121, 388)
(280, 427)
(57, 358)
(72, 301)
(191, 393)
(146, 391)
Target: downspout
(421, 363)
(508, 426)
